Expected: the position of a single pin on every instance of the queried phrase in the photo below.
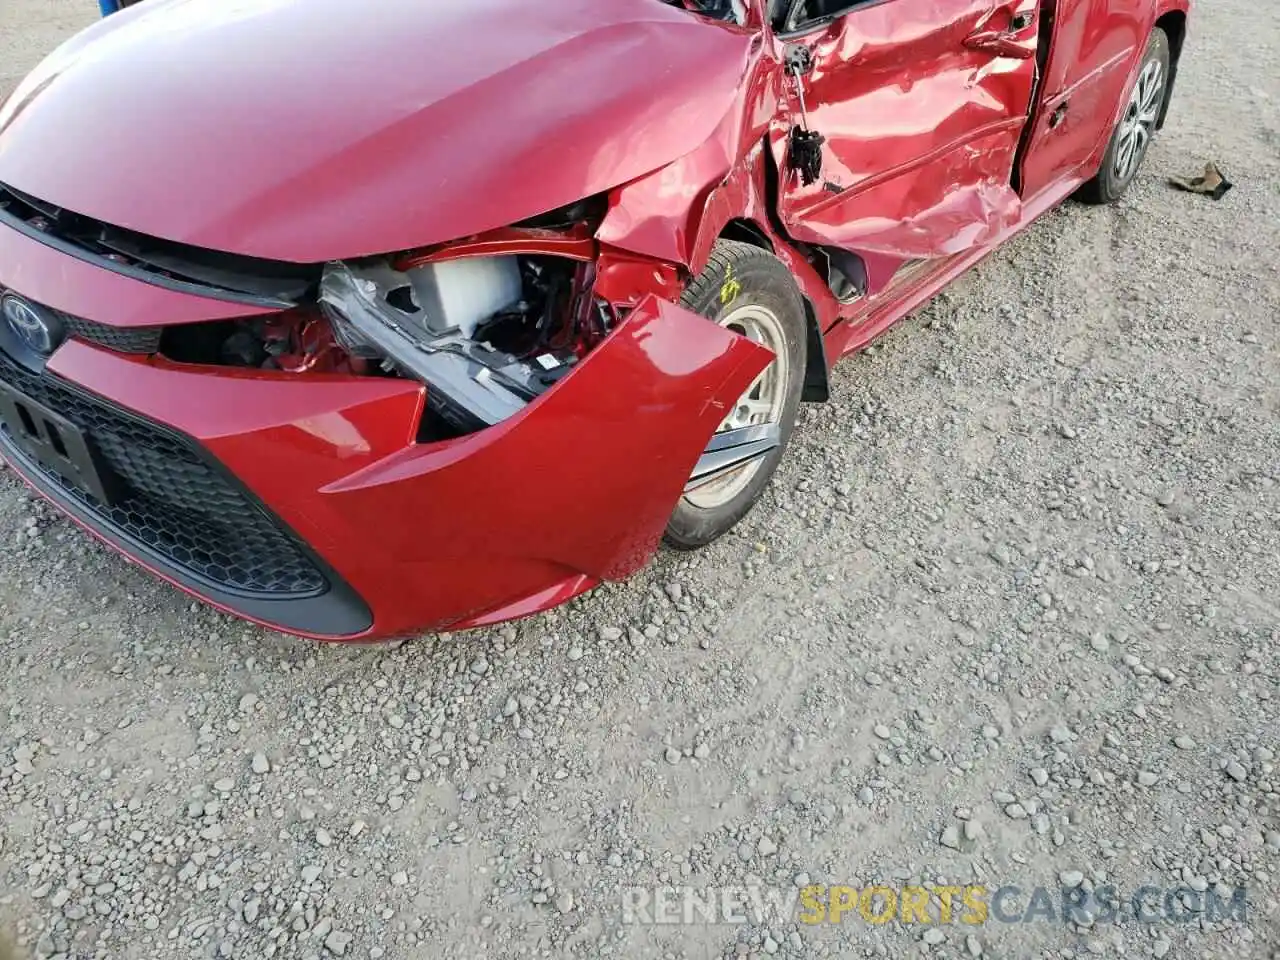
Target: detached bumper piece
(732, 450)
(160, 498)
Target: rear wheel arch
(1134, 128)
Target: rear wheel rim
(1138, 125)
(761, 403)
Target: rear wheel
(749, 291)
(1133, 134)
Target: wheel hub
(1138, 125)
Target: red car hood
(311, 130)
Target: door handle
(999, 44)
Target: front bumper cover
(575, 488)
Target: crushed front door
(920, 104)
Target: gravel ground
(1009, 614)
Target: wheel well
(744, 231)
(1174, 24)
(815, 373)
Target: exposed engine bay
(486, 333)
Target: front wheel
(749, 291)
(1133, 134)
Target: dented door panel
(945, 206)
(921, 121)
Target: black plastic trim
(817, 388)
(135, 273)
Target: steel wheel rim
(1138, 125)
(761, 403)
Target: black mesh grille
(123, 339)
(175, 502)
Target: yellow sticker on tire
(730, 289)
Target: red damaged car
(361, 320)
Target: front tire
(748, 290)
(1133, 134)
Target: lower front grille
(175, 501)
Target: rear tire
(747, 289)
(1137, 127)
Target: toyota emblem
(34, 328)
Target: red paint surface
(521, 108)
(1087, 80)
(575, 244)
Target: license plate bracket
(56, 444)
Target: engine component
(487, 334)
(459, 294)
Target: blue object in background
(108, 6)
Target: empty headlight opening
(487, 334)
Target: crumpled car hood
(312, 130)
